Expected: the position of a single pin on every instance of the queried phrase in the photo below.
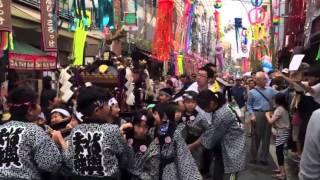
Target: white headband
(112, 102)
(79, 116)
(62, 111)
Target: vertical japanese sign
(5, 15)
(49, 25)
(130, 16)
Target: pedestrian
(226, 132)
(310, 159)
(281, 122)
(165, 95)
(239, 94)
(25, 149)
(260, 101)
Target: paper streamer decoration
(6, 40)
(163, 36)
(259, 32)
(318, 54)
(238, 26)
(217, 19)
(219, 55)
(245, 65)
(180, 64)
(104, 13)
(79, 39)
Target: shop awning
(27, 57)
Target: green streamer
(318, 54)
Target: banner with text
(5, 15)
(49, 25)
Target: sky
(234, 9)
(231, 9)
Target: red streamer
(163, 36)
(217, 19)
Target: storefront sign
(130, 16)
(32, 62)
(5, 15)
(49, 25)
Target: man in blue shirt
(260, 101)
(239, 93)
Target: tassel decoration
(163, 36)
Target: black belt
(258, 110)
(92, 178)
(163, 163)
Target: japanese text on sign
(5, 15)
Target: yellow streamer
(180, 64)
(11, 41)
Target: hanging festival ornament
(104, 13)
(257, 15)
(218, 4)
(259, 32)
(256, 3)
(163, 36)
(318, 54)
(217, 21)
(219, 55)
(180, 64)
(79, 39)
(238, 26)
(276, 20)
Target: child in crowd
(145, 152)
(95, 148)
(114, 112)
(176, 161)
(281, 123)
(195, 124)
(165, 95)
(60, 118)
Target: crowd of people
(190, 124)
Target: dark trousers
(261, 132)
(218, 171)
(280, 156)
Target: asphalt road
(259, 172)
